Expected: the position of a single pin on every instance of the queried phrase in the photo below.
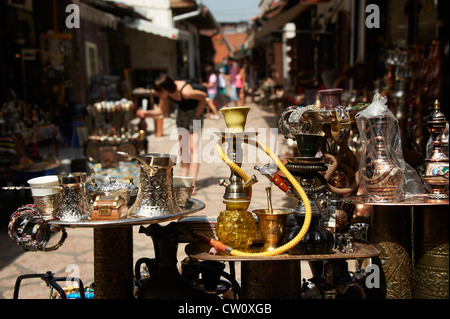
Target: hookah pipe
(278, 181)
(277, 251)
(337, 162)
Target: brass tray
(324, 116)
(417, 200)
(192, 206)
(362, 249)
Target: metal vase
(155, 196)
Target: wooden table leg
(271, 279)
(113, 263)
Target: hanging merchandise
(385, 176)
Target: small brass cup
(272, 226)
(48, 205)
(235, 118)
(46, 194)
(182, 195)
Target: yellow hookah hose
(282, 249)
(233, 166)
(230, 163)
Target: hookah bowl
(330, 97)
(235, 117)
(272, 226)
(436, 170)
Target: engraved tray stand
(113, 250)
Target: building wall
(397, 34)
(158, 11)
(148, 51)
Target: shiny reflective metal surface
(74, 202)
(192, 206)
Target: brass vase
(381, 175)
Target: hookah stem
(269, 200)
(298, 188)
(231, 164)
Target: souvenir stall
(388, 154)
(269, 242)
(112, 127)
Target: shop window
(91, 60)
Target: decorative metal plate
(417, 200)
(306, 160)
(362, 249)
(192, 206)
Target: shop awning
(166, 32)
(276, 22)
(94, 15)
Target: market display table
(113, 250)
(414, 239)
(278, 276)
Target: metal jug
(74, 202)
(155, 195)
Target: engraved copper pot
(381, 175)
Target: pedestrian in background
(240, 85)
(222, 86)
(212, 86)
(233, 71)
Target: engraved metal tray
(192, 206)
(362, 249)
(416, 200)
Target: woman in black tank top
(191, 103)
